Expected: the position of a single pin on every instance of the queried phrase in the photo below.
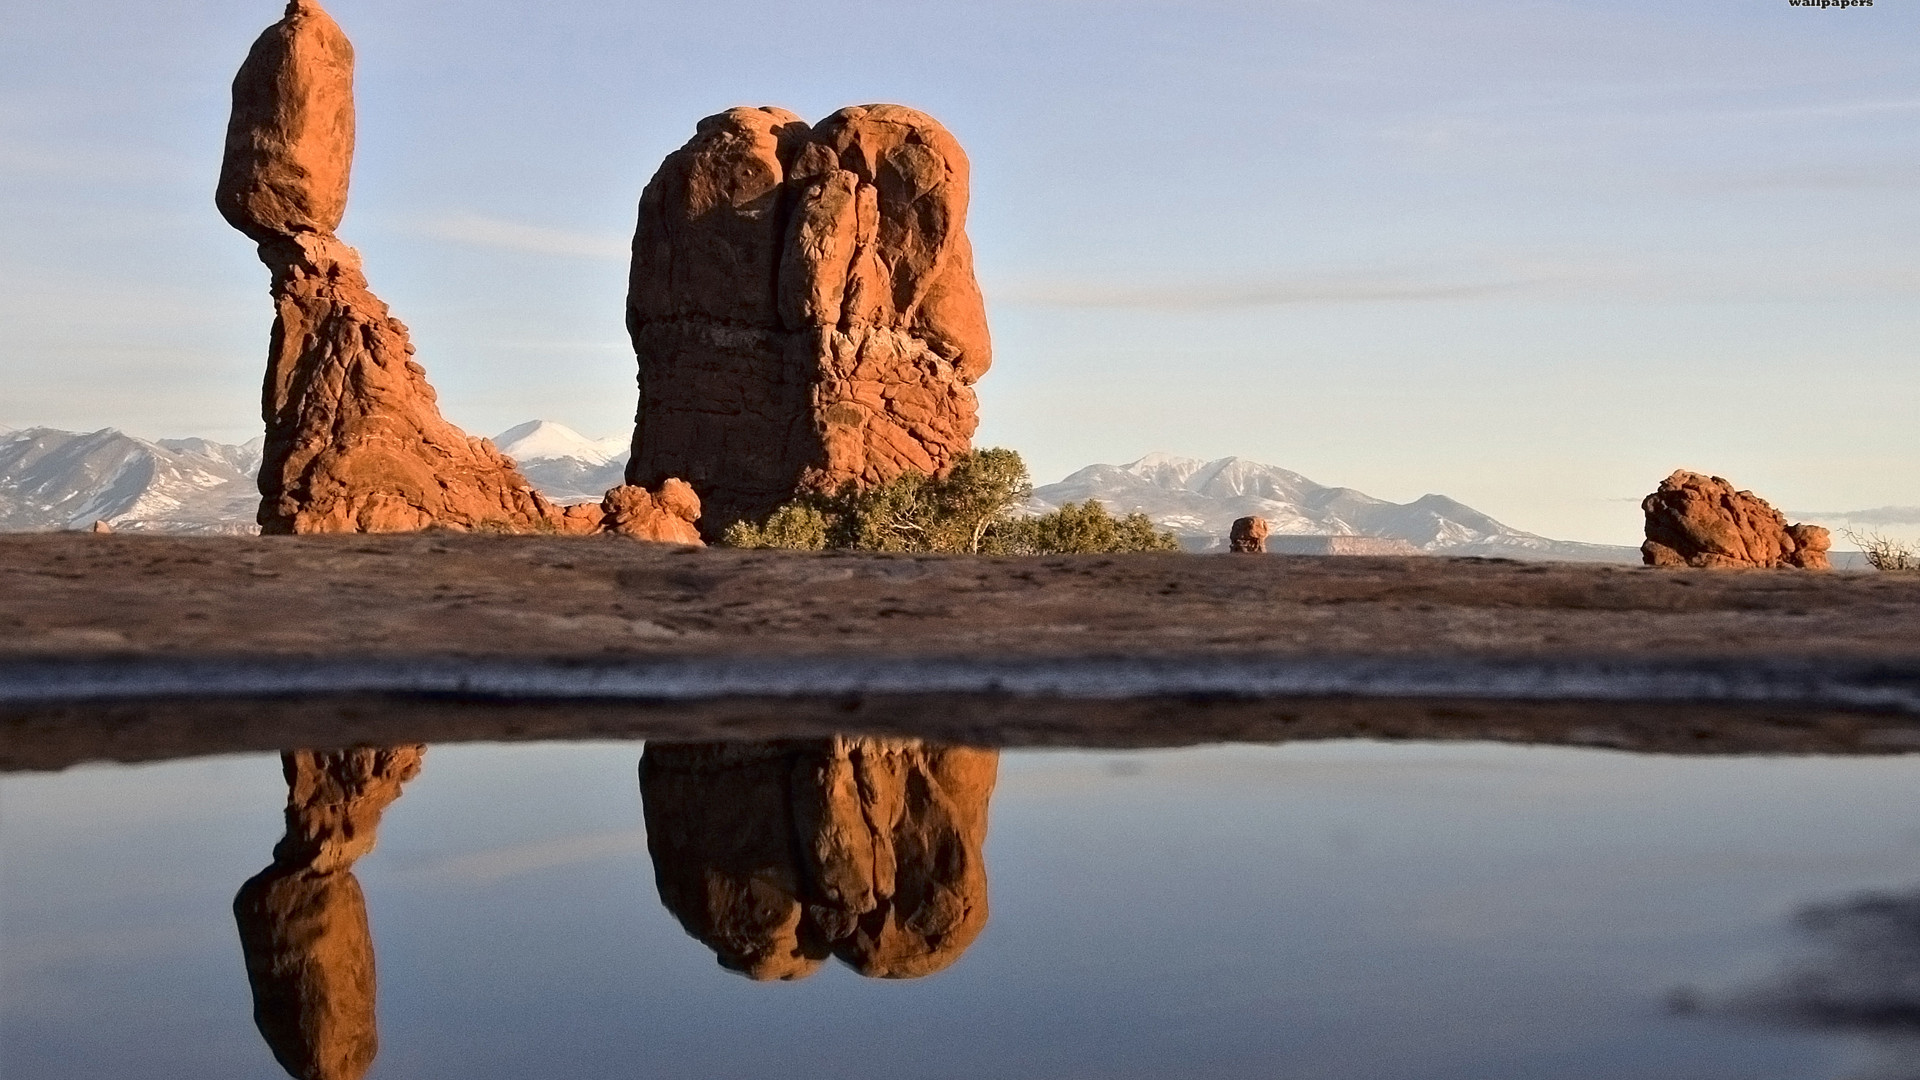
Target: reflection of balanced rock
(354, 440)
(1249, 536)
(803, 307)
(1695, 520)
(777, 855)
(303, 920)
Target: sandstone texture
(803, 308)
(354, 439)
(303, 920)
(1695, 520)
(1249, 536)
(777, 855)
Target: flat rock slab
(365, 638)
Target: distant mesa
(778, 855)
(803, 308)
(1701, 521)
(303, 920)
(1340, 545)
(1248, 536)
(355, 441)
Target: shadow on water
(776, 855)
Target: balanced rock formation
(803, 307)
(778, 855)
(303, 920)
(355, 442)
(1249, 535)
(1695, 520)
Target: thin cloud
(487, 232)
(1882, 515)
(497, 864)
(1198, 296)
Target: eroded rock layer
(778, 855)
(803, 307)
(303, 920)
(354, 441)
(1695, 520)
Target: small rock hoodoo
(355, 442)
(1249, 536)
(1695, 520)
(803, 308)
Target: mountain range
(52, 480)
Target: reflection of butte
(303, 920)
(780, 854)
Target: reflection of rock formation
(355, 442)
(804, 308)
(303, 920)
(778, 855)
(1695, 520)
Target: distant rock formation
(1340, 545)
(303, 920)
(355, 442)
(1249, 536)
(1695, 520)
(803, 307)
(777, 855)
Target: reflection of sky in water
(1337, 910)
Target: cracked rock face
(355, 441)
(778, 855)
(1695, 520)
(803, 307)
(303, 920)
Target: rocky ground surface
(600, 598)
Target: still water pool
(871, 908)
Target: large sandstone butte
(303, 920)
(1695, 520)
(778, 855)
(803, 308)
(355, 442)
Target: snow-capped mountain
(564, 464)
(51, 480)
(1199, 500)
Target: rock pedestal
(1695, 520)
(355, 441)
(803, 307)
(1249, 536)
(778, 855)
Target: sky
(1530, 254)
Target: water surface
(1327, 910)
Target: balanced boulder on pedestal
(355, 441)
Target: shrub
(1884, 552)
(971, 510)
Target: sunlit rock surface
(803, 307)
(355, 441)
(1695, 520)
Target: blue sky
(1533, 255)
